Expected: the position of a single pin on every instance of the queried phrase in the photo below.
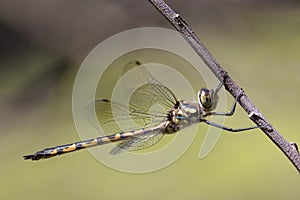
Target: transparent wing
(148, 105)
(115, 118)
(138, 143)
(151, 93)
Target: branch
(289, 149)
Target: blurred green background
(42, 44)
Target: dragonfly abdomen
(54, 151)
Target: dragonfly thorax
(183, 114)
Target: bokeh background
(42, 44)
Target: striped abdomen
(54, 151)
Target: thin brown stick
(289, 149)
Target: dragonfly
(176, 115)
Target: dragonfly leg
(231, 112)
(219, 87)
(227, 128)
(221, 83)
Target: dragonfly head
(207, 99)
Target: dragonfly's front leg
(227, 128)
(231, 112)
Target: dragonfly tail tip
(28, 157)
(32, 157)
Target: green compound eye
(207, 99)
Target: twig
(289, 149)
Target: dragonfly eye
(207, 99)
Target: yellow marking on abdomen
(105, 139)
(93, 143)
(117, 136)
(53, 152)
(70, 148)
(128, 134)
